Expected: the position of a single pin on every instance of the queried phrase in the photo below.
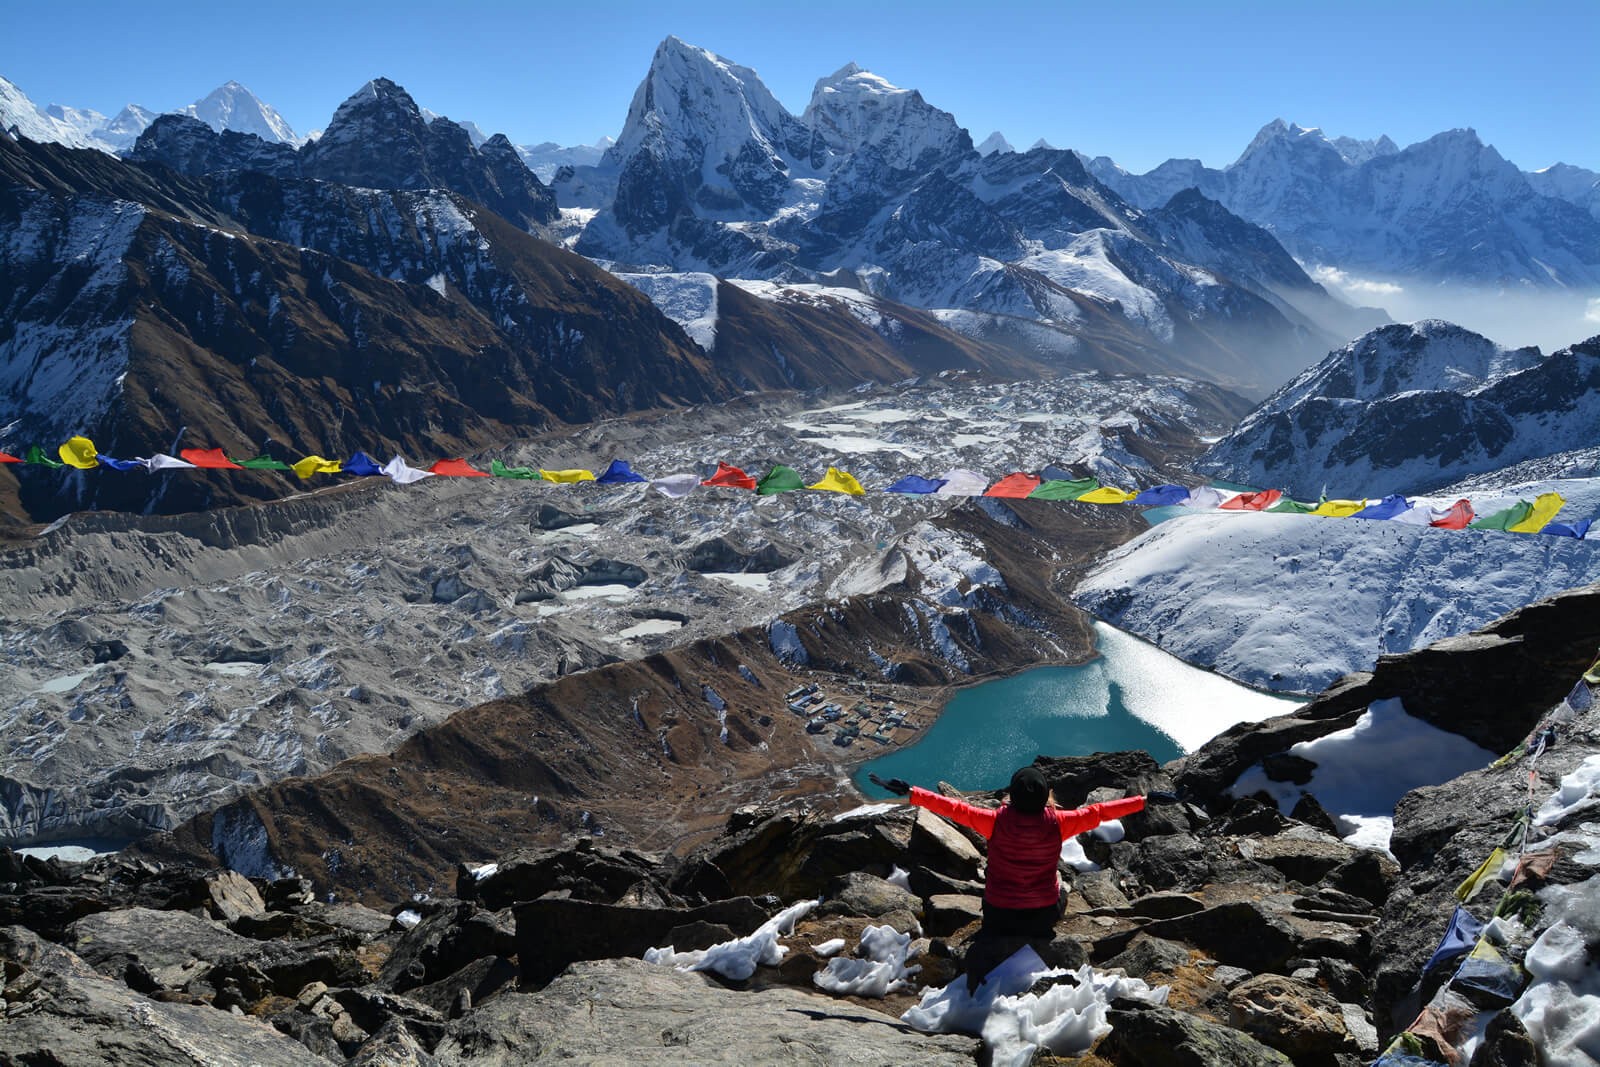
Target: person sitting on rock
(1022, 895)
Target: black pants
(1005, 930)
(1020, 922)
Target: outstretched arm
(968, 815)
(1075, 821)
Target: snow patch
(1362, 772)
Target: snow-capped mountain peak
(853, 109)
(1281, 140)
(234, 107)
(1357, 152)
(690, 92)
(995, 142)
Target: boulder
(393, 1046)
(1073, 778)
(1311, 812)
(588, 871)
(372, 1009)
(936, 846)
(472, 984)
(1249, 934)
(628, 1011)
(356, 919)
(1301, 854)
(232, 895)
(946, 913)
(1166, 905)
(444, 942)
(1292, 1016)
(81, 1016)
(552, 932)
(173, 947)
(1151, 1035)
(1147, 955)
(867, 896)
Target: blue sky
(1141, 84)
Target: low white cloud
(1352, 286)
(1549, 318)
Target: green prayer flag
(1068, 490)
(1293, 507)
(1502, 520)
(500, 470)
(262, 463)
(780, 479)
(35, 454)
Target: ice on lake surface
(614, 590)
(1133, 696)
(647, 627)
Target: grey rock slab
(1291, 1015)
(1176, 1039)
(233, 896)
(948, 912)
(868, 896)
(173, 946)
(88, 1018)
(630, 1012)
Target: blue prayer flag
(915, 483)
(1577, 529)
(121, 464)
(1387, 508)
(361, 463)
(619, 473)
(1160, 496)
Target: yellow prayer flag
(567, 476)
(1338, 509)
(1544, 509)
(838, 481)
(1488, 871)
(79, 452)
(305, 468)
(1106, 494)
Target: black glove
(898, 786)
(1161, 796)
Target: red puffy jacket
(1024, 848)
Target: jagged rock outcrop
(874, 187)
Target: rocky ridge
(293, 316)
(1411, 408)
(1275, 941)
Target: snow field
(1362, 772)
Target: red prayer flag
(456, 468)
(1253, 501)
(6, 457)
(1014, 485)
(1457, 518)
(209, 457)
(730, 477)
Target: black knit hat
(1029, 790)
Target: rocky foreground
(1276, 942)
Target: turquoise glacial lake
(1132, 696)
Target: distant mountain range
(394, 282)
(1409, 408)
(1449, 209)
(873, 188)
(356, 293)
